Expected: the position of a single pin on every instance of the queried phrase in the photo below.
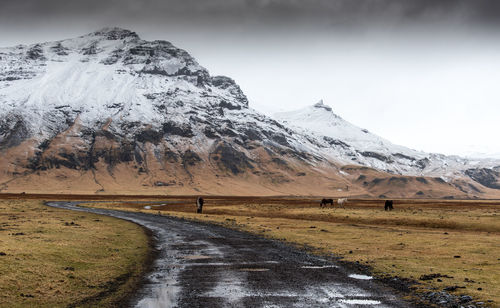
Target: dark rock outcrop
(13, 131)
(228, 158)
(378, 156)
(486, 177)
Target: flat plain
(432, 244)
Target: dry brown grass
(417, 238)
(53, 258)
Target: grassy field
(457, 239)
(57, 258)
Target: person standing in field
(199, 205)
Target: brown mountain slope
(222, 170)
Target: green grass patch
(58, 258)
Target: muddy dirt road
(201, 265)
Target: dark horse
(199, 205)
(324, 202)
(388, 205)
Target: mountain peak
(115, 33)
(322, 105)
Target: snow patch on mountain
(110, 74)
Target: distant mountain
(359, 146)
(481, 155)
(110, 112)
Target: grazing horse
(341, 201)
(388, 205)
(199, 205)
(324, 202)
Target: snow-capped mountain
(359, 145)
(110, 75)
(362, 147)
(111, 112)
(112, 107)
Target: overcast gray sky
(421, 73)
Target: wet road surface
(202, 265)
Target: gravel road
(203, 265)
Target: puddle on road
(360, 277)
(206, 264)
(360, 301)
(318, 267)
(254, 269)
(162, 288)
(148, 207)
(196, 257)
(182, 265)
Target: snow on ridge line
(108, 77)
(363, 147)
